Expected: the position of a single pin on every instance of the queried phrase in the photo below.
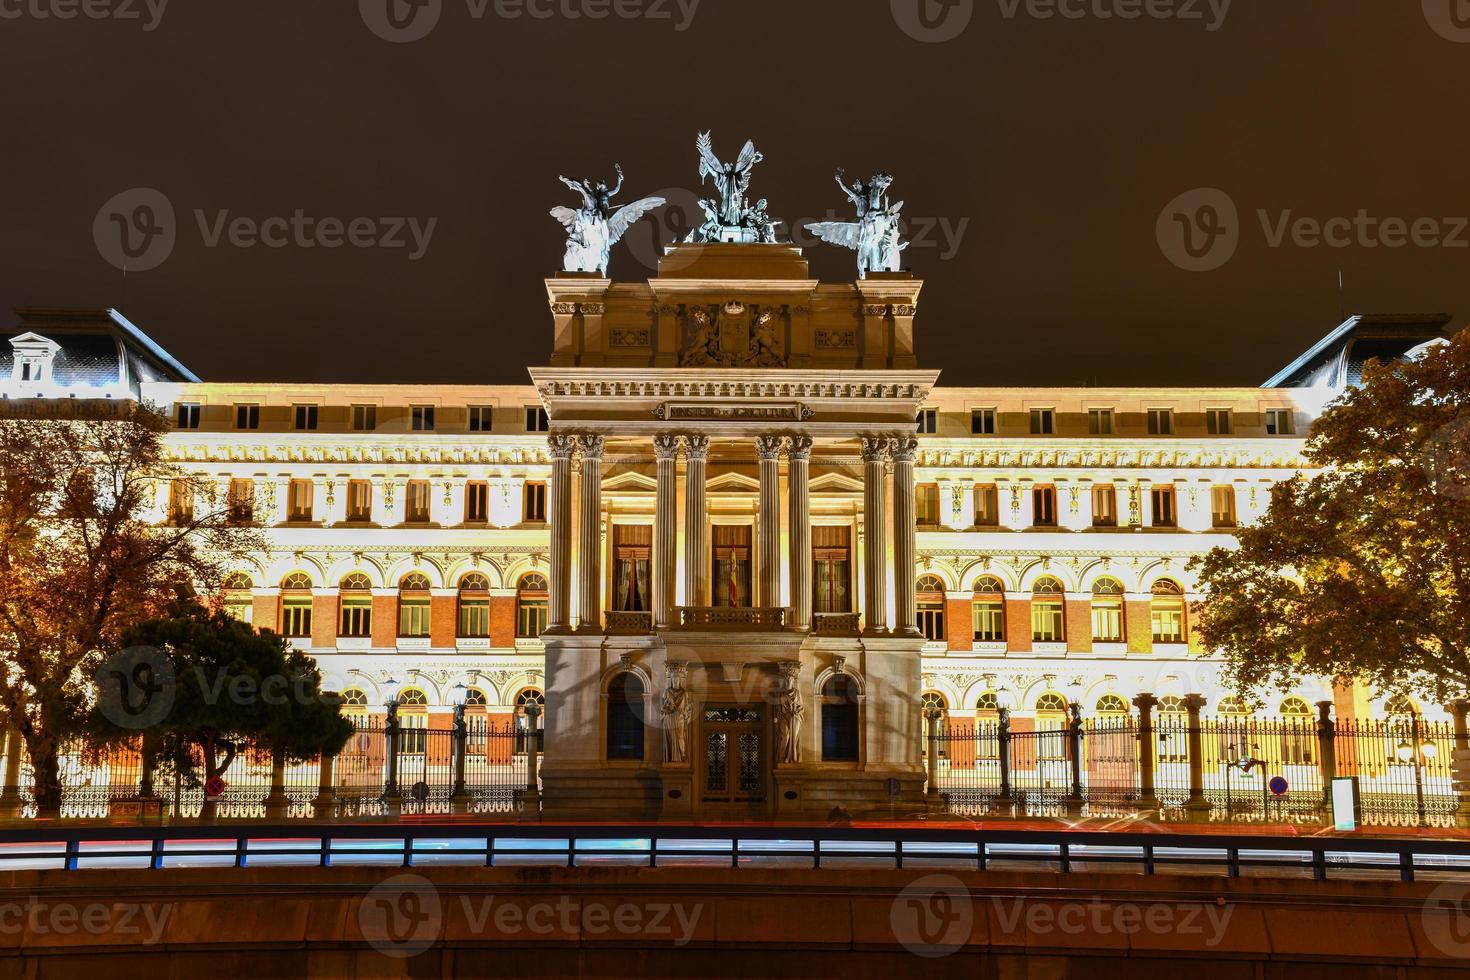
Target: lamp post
(1418, 751)
(391, 795)
(531, 800)
(459, 797)
(1074, 738)
(1005, 803)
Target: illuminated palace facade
(733, 536)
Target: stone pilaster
(589, 540)
(799, 452)
(696, 571)
(665, 531)
(907, 618)
(768, 449)
(559, 512)
(875, 536)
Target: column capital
(665, 446)
(591, 446)
(696, 447)
(799, 447)
(903, 448)
(561, 447)
(875, 449)
(768, 447)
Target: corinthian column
(665, 534)
(768, 448)
(696, 573)
(560, 510)
(589, 578)
(907, 619)
(799, 452)
(875, 536)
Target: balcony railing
(731, 618)
(626, 623)
(835, 624)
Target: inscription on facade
(703, 412)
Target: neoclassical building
(733, 535)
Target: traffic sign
(1278, 785)
(214, 788)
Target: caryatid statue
(593, 229)
(789, 711)
(677, 713)
(876, 235)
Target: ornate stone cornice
(715, 387)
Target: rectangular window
(632, 552)
(982, 421)
(1162, 499)
(476, 503)
(1100, 421)
(417, 502)
(1104, 505)
(987, 505)
(832, 570)
(536, 420)
(242, 501)
(359, 501)
(1107, 621)
(296, 617)
(357, 616)
(188, 416)
(1046, 622)
(533, 612)
(1043, 421)
(730, 578)
(180, 502)
(1218, 422)
(534, 511)
(927, 421)
(422, 417)
(305, 417)
(247, 417)
(480, 418)
(474, 616)
(1161, 421)
(364, 418)
(931, 620)
(413, 615)
(926, 504)
(299, 501)
(1279, 422)
(1044, 503)
(1222, 506)
(1168, 621)
(990, 621)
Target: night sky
(1052, 144)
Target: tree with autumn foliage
(83, 557)
(1360, 570)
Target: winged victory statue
(594, 228)
(876, 234)
(728, 218)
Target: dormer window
(32, 356)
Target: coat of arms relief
(733, 335)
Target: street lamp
(391, 688)
(459, 796)
(1426, 750)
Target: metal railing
(162, 849)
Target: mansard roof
(1336, 361)
(90, 351)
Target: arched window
(474, 605)
(625, 717)
(1047, 620)
(1051, 701)
(1400, 706)
(413, 721)
(1298, 733)
(840, 719)
(1107, 611)
(355, 600)
(1172, 725)
(355, 706)
(989, 610)
(1051, 722)
(533, 605)
(1172, 705)
(1234, 706)
(1295, 707)
(1112, 704)
(475, 698)
(1167, 612)
(296, 606)
(989, 701)
(523, 721)
(239, 596)
(987, 725)
(413, 605)
(930, 594)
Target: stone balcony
(836, 624)
(624, 623)
(731, 618)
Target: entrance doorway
(734, 763)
